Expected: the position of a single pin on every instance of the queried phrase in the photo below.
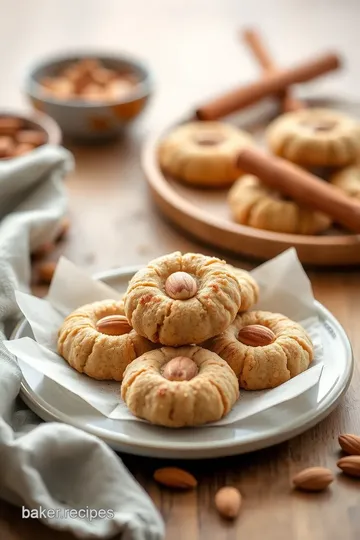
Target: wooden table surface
(193, 49)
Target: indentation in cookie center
(320, 125)
(181, 286)
(180, 368)
(209, 139)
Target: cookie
(263, 349)
(348, 180)
(315, 137)
(84, 340)
(203, 153)
(188, 386)
(252, 203)
(249, 288)
(183, 299)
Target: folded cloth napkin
(53, 468)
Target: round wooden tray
(205, 214)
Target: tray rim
(172, 203)
(207, 449)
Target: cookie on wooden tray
(96, 339)
(188, 386)
(348, 180)
(315, 137)
(184, 299)
(203, 153)
(253, 204)
(264, 349)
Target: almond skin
(313, 479)
(180, 368)
(256, 335)
(228, 502)
(176, 478)
(350, 465)
(350, 444)
(181, 286)
(113, 325)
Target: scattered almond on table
(313, 479)
(350, 444)
(45, 272)
(176, 478)
(228, 502)
(350, 465)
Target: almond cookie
(315, 137)
(264, 349)
(97, 339)
(203, 153)
(253, 204)
(183, 299)
(248, 286)
(348, 180)
(188, 386)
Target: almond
(228, 502)
(181, 286)
(180, 368)
(350, 465)
(313, 479)
(256, 335)
(350, 444)
(45, 272)
(174, 477)
(113, 325)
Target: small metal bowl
(34, 120)
(90, 119)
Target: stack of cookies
(183, 341)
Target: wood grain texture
(193, 49)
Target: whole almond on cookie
(176, 478)
(228, 502)
(113, 325)
(181, 286)
(350, 465)
(180, 368)
(256, 335)
(313, 479)
(350, 444)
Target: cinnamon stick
(302, 186)
(253, 40)
(273, 83)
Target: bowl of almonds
(89, 95)
(21, 133)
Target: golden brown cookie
(253, 204)
(348, 180)
(203, 153)
(85, 340)
(183, 299)
(249, 287)
(264, 349)
(188, 386)
(315, 137)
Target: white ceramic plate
(54, 403)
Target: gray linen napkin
(53, 467)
